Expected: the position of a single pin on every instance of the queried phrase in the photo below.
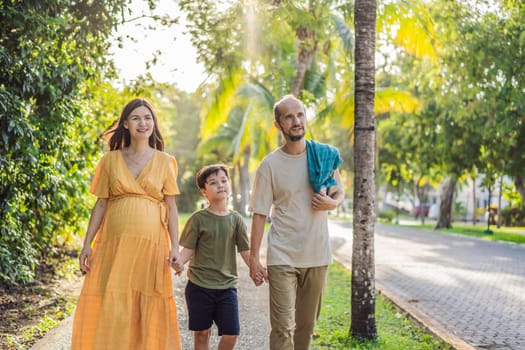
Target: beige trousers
(295, 300)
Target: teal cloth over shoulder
(323, 160)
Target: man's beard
(293, 138)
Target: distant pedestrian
(298, 183)
(127, 301)
(210, 238)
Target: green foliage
(216, 33)
(513, 216)
(470, 102)
(511, 195)
(386, 215)
(42, 304)
(49, 51)
(183, 111)
(483, 58)
(459, 211)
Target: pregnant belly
(134, 217)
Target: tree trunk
(520, 187)
(418, 200)
(244, 182)
(307, 38)
(234, 186)
(421, 199)
(363, 323)
(499, 201)
(474, 203)
(445, 207)
(307, 49)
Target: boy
(209, 238)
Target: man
(298, 243)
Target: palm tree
(363, 274)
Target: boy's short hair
(205, 172)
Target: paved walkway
(253, 314)
(469, 291)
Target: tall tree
(363, 323)
(478, 104)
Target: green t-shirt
(214, 238)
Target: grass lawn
(395, 330)
(507, 234)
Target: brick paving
(471, 290)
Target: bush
(50, 52)
(386, 215)
(513, 216)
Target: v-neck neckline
(141, 170)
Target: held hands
(84, 258)
(321, 201)
(258, 273)
(178, 267)
(175, 261)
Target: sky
(177, 62)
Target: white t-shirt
(298, 234)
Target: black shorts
(206, 306)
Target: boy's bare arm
(186, 254)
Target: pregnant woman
(127, 299)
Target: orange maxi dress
(126, 300)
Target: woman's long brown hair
(119, 135)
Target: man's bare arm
(257, 271)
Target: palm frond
(345, 34)
(257, 91)
(392, 100)
(415, 29)
(223, 100)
